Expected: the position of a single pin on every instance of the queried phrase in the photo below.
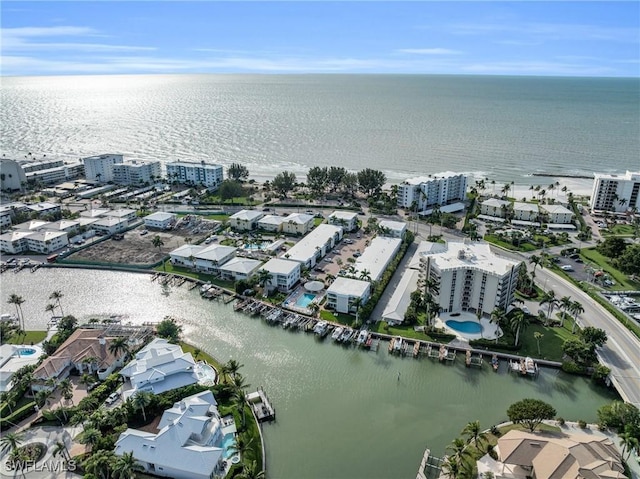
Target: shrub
(560, 421)
(582, 424)
(18, 415)
(573, 368)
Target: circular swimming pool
(469, 327)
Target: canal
(341, 412)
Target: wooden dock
(261, 406)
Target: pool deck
(489, 330)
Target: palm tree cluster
(459, 463)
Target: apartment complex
(100, 167)
(466, 276)
(615, 192)
(136, 172)
(209, 175)
(434, 190)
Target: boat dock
(524, 367)
(473, 360)
(261, 406)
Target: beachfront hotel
(433, 190)
(209, 175)
(188, 443)
(313, 247)
(467, 276)
(344, 292)
(617, 193)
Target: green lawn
(341, 318)
(523, 247)
(218, 217)
(30, 337)
(623, 283)
(195, 274)
(188, 348)
(619, 230)
(317, 221)
(550, 344)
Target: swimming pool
(206, 374)
(228, 442)
(253, 246)
(26, 351)
(304, 300)
(469, 327)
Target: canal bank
(342, 412)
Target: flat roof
(121, 212)
(393, 225)
(450, 208)
(525, 206)
(299, 218)
(495, 202)
(556, 209)
(110, 221)
(345, 215)
(401, 298)
(248, 215)
(437, 176)
(281, 266)
(305, 249)
(271, 220)
(377, 255)
(458, 254)
(349, 287)
(160, 216)
(415, 259)
(94, 213)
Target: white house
(343, 292)
(210, 259)
(237, 269)
(394, 229)
(245, 220)
(31, 225)
(110, 225)
(284, 274)
(95, 213)
(45, 209)
(14, 242)
(271, 223)
(123, 213)
(297, 224)
(185, 255)
(45, 241)
(557, 214)
(612, 192)
(468, 276)
(311, 248)
(494, 207)
(68, 226)
(188, 444)
(209, 175)
(160, 220)
(399, 302)
(159, 366)
(347, 219)
(525, 211)
(376, 257)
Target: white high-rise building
(466, 276)
(433, 190)
(615, 192)
(209, 175)
(99, 167)
(136, 172)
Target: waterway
(341, 412)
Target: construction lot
(136, 247)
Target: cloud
(538, 68)
(430, 51)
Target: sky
(545, 38)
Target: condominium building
(12, 175)
(284, 274)
(347, 219)
(467, 276)
(209, 175)
(136, 172)
(557, 214)
(297, 224)
(245, 220)
(344, 293)
(615, 192)
(313, 247)
(434, 190)
(99, 167)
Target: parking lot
(350, 247)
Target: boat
(362, 336)
(397, 346)
(320, 328)
(205, 287)
(494, 362)
(346, 335)
(337, 333)
(367, 344)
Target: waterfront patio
(465, 325)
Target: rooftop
(376, 256)
(525, 206)
(401, 298)
(247, 215)
(160, 216)
(241, 265)
(344, 215)
(393, 225)
(281, 266)
(299, 218)
(271, 220)
(306, 248)
(437, 176)
(215, 252)
(556, 209)
(348, 287)
(457, 254)
(496, 202)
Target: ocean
(503, 128)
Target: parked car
(143, 232)
(113, 397)
(566, 267)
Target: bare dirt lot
(136, 248)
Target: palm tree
(518, 322)
(629, 443)
(365, 275)
(140, 400)
(565, 304)
(535, 261)
(51, 308)
(61, 449)
(474, 433)
(498, 316)
(549, 298)
(238, 382)
(458, 448)
(250, 471)
(119, 345)
(576, 309)
(538, 336)
(9, 399)
(99, 464)
(233, 367)
(158, 243)
(18, 301)
(263, 277)
(11, 441)
(57, 296)
(126, 467)
(90, 437)
(66, 388)
(240, 399)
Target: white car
(113, 397)
(566, 267)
